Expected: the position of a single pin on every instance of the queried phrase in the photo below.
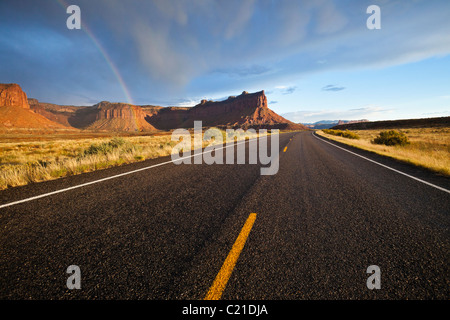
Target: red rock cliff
(11, 95)
(120, 117)
(246, 110)
(107, 110)
(15, 111)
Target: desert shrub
(349, 134)
(108, 147)
(391, 138)
(345, 134)
(329, 131)
(103, 147)
(117, 142)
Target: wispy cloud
(244, 71)
(308, 36)
(285, 89)
(185, 102)
(166, 48)
(437, 113)
(332, 87)
(290, 90)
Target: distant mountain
(248, 110)
(326, 124)
(322, 124)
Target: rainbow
(105, 55)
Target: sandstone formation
(102, 116)
(120, 117)
(15, 112)
(69, 116)
(248, 110)
(11, 95)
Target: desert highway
(165, 232)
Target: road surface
(165, 232)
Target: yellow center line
(285, 148)
(219, 284)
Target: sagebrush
(341, 133)
(392, 138)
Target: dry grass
(428, 148)
(23, 162)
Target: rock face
(120, 117)
(102, 116)
(248, 110)
(15, 112)
(11, 95)
(69, 116)
(108, 110)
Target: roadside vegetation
(24, 162)
(346, 134)
(425, 147)
(391, 138)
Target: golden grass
(26, 161)
(429, 147)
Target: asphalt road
(165, 232)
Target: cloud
(178, 41)
(289, 90)
(437, 113)
(331, 87)
(242, 16)
(185, 102)
(173, 10)
(273, 102)
(167, 48)
(329, 18)
(160, 56)
(285, 89)
(254, 70)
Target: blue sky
(315, 59)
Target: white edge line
(380, 164)
(118, 175)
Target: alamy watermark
(233, 139)
(74, 281)
(374, 21)
(374, 281)
(74, 20)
